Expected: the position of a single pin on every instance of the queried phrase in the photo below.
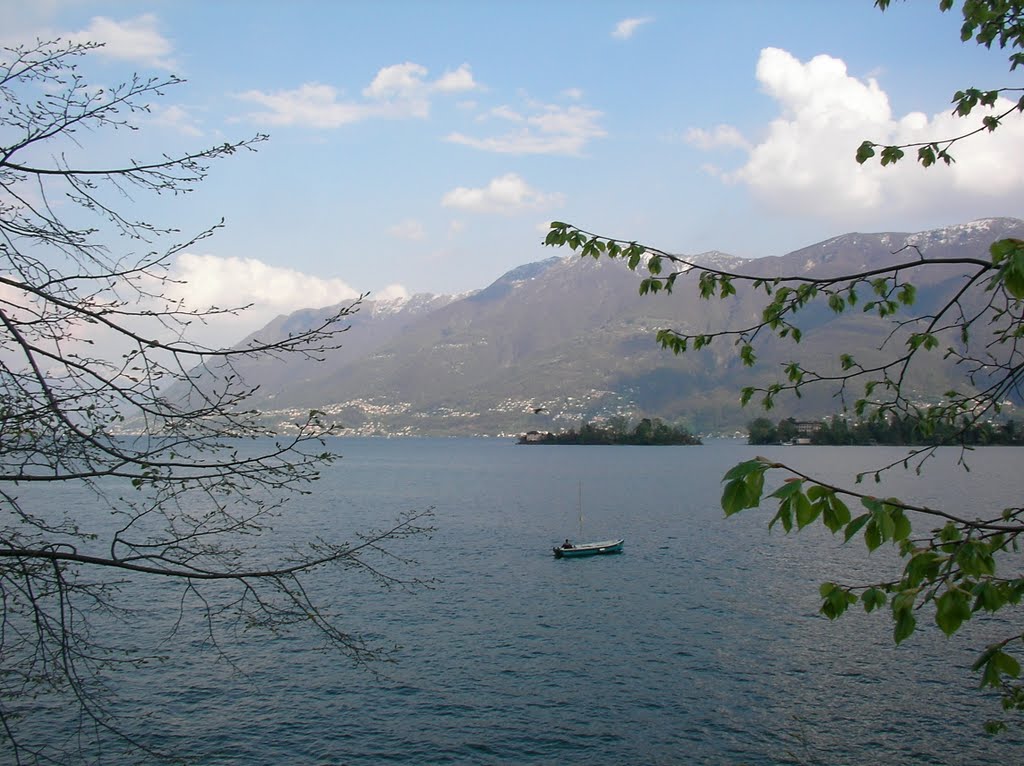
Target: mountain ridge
(574, 336)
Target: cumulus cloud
(391, 293)
(539, 129)
(216, 281)
(313, 105)
(457, 81)
(507, 194)
(409, 229)
(396, 81)
(627, 27)
(804, 161)
(136, 40)
(208, 280)
(398, 91)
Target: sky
(425, 146)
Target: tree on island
(763, 431)
(892, 430)
(955, 564)
(647, 432)
(90, 347)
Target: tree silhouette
(96, 392)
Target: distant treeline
(894, 430)
(647, 432)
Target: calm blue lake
(700, 644)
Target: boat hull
(589, 549)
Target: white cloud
(176, 118)
(455, 228)
(398, 91)
(504, 112)
(313, 104)
(720, 136)
(549, 129)
(396, 81)
(627, 27)
(574, 94)
(401, 90)
(216, 281)
(805, 160)
(391, 293)
(507, 194)
(409, 229)
(208, 280)
(458, 81)
(136, 39)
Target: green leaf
(951, 609)
(837, 303)
(855, 526)
(783, 515)
(806, 512)
(755, 486)
(873, 598)
(907, 294)
(989, 596)
(922, 566)
(1009, 255)
(905, 626)
(891, 155)
(865, 152)
(872, 535)
(744, 485)
(901, 525)
(735, 497)
(836, 600)
(742, 470)
(836, 514)
(975, 558)
(950, 533)
(789, 488)
(994, 664)
(817, 492)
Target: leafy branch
(954, 569)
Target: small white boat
(574, 550)
(588, 549)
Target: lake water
(700, 644)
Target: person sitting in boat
(567, 544)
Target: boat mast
(580, 501)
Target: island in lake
(647, 432)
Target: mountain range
(567, 339)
